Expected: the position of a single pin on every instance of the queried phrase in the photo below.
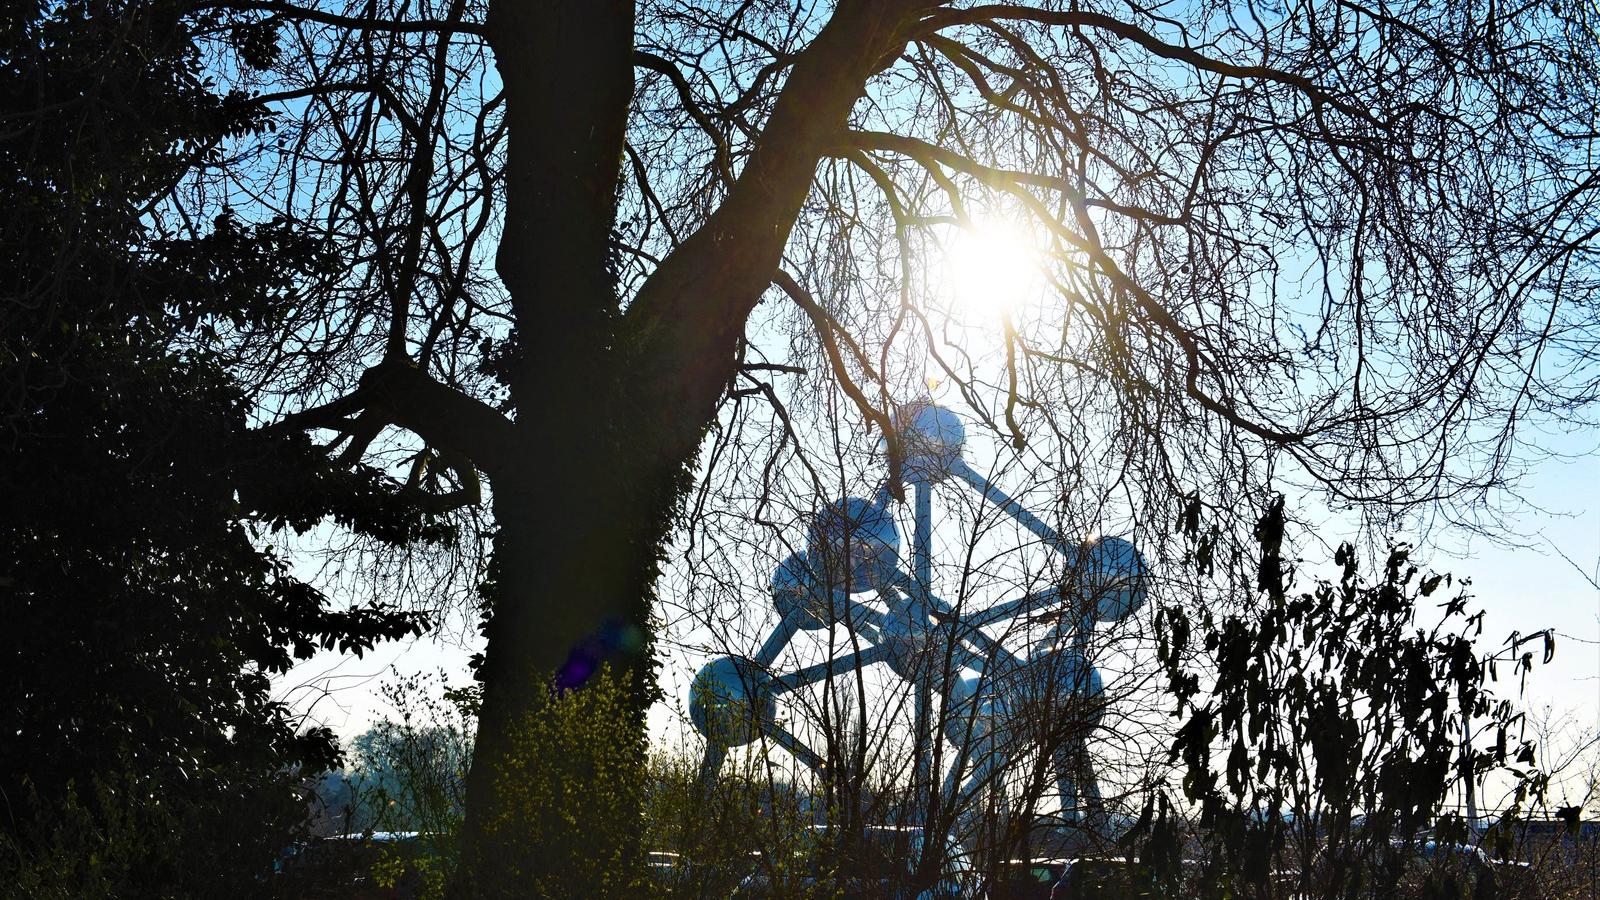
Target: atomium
(853, 548)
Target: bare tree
(588, 246)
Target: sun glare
(992, 268)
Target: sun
(992, 268)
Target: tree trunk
(611, 410)
(554, 790)
(552, 797)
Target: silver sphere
(730, 700)
(1113, 576)
(974, 711)
(855, 543)
(933, 437)
(909, 643)
(795, 590)
(1061, 679)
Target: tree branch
(824, 326)
(398, 393)
(981, 15)
(688, 317)
(441, 415)
(470, 493)
(290, 11)
(686, 96)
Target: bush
(130, 837)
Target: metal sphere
(1071, 673)
(730, 700)
(933, 437)
(1063, 678)
(974, 711)
(1112, 574)
(854, 543)
(909, 643)
(795, 590)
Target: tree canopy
(146, 606)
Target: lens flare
(993, 268)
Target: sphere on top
(796, 591)
(853, 544)
(1111, 574)
(933, 437)
(731, 700)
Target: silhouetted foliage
(145, 610)
(1325, 731)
